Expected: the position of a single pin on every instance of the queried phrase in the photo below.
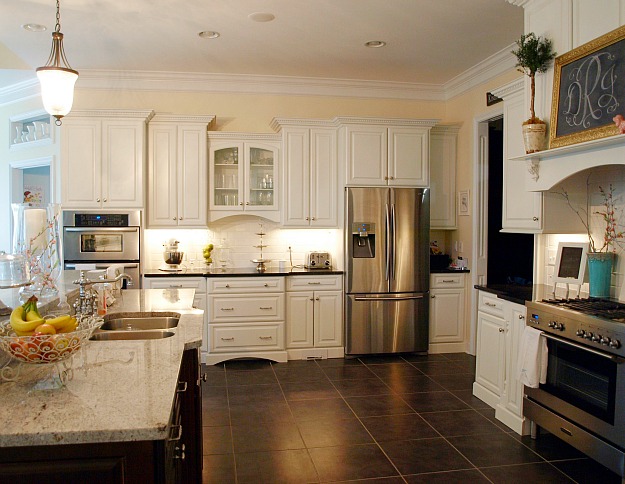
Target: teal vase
(599, 273)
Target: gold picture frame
(588, 90)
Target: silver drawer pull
(266, 285)
(448, 280)
(228, 285)
(226, 309)
(227, 339)
(182, 387)
(267, 307)
(179, 427)
(174, 286)
(314, 283)
(492, 305)
(266, 337)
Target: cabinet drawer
(491, 304)
(445, 281)
(241, 337)
(316, 283)
(218, 285)
(243, 307)
(197, 283)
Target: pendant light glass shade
(57, 78)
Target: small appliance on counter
(172, 255)
(318, 260)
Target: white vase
(534, 137)
(31, 132)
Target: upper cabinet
(103, 159)
(385, 152)
(244, 176)
(310, 174)
(443, 146)
(177, 171)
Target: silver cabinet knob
(227, 285)
(391, 177)
(179, 218)
(535, 219)
(501, 330)
(105, 200)
(433, 296)
(317, 298)
(386, 178)
(307, 218)
(521, 316)
(241, 203)
(97, 200)
(314, 218)
(247, 203)
(175, 218)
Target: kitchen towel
(533, 356)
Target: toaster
(318, 260)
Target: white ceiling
(428, 41)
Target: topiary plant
(533, 55)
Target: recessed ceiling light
(375, 44)
(261, 17)
(34, 27)
(209, 34)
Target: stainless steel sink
(130, 335)
(138, 323)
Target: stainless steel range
(583, 399)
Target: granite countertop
(519, 294)
(120, 390)
(239, 272)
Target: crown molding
(428, 123)
(208, 119)
(510, 88)
(491, 67)
(232, 135)
(20, 91)
(146, 114)
(445, 129)
(278, 123)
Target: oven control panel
(600, 336)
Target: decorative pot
(534, 137)
(599, 273)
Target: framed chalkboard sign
(588, 90)
(570, 263)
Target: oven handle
(101, 229)
(614, 358)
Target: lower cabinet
(500, 324)
(314, 316)
(178, 459)
(447, 320)
(245, 318)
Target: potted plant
(533, 55)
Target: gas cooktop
(601, 308)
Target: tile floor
(395, 419)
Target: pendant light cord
(57, 27)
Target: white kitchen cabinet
(103, 159)
(524, 211)
(447, 321)
(244, 175)
(171, 284)
(443, 149)
(310, 188)
(500, 324)
(177, 171)
(385, 152)
(314, 316)
(246, 318)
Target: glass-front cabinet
(243, 178)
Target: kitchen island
(119, 414)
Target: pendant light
(57, 78)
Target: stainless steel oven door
(130, 268)
(90, 244)
(585, 386)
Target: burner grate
(602, 308)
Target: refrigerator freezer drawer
(386, 323)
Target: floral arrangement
(611, 234)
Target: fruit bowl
(47, 348)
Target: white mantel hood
(550, 167)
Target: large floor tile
(587, 471)
(434, 402)
(382, 359)
(359, 388)
(376, 405)
(460, 422)
(398, 427)
(413, 384)
(394, 371)
(266, 436)
(538, 472)
(352, 462)
(215, 417)
(350, 372)
(426, 455)
(473, 476)
(217, 440)
(471, 400)
(218, 468)
(458, 381)
(276, 467)
(493, 450)
(300, 374)
(437, 367)
(253, 394)
(309, 390)
(250, 377)
(333, 432)
(549, 447)
(260, 412)
(322, 408)
(430, 357)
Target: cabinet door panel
(323, 178)
(447, 316)
(299, 320)
(367, 155)
(81, 163)
(297, 183)
(489, 369)
(408, 156)
(443, 178)
(328, 318)
(514, 389)
(192, 197)
(162, 209)
(123, 164)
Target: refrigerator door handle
(393, 234)
(403, 298)
(387, 271)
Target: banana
(30, 309)
(18, 324)
(71, 326)
(59, 321)
(24, 333)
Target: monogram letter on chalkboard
(588, 90)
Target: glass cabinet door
(261, 179)
(226, 176)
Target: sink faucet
(86, 304)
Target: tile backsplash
(239, 236)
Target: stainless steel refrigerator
(387, 270)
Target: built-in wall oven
(583, 399)
(99, 240)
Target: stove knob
(559, 326)
(551, 324)
(589, 335)
(580, 333)
(616, 344)
(605, 340)
(596, 338)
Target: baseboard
(315, 353)
(485, 395)
(434, 348)
(520, 425)
(214, 358)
